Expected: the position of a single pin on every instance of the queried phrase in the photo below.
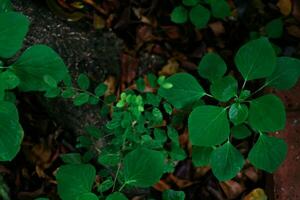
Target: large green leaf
(201, 155)
(256, 59)
(267, 114)
(212, 67)
(220, 8)
(208, 126)
(268, 153)
(224, 89)
(36, 62)
(199, 16)
(11, 133)
(173, 195)
(226, 161)
(87, 196)
(179, 15)
(238, 113)
(13, 28)
(136, 167)
(75, 180)
(286, 73)
(240, 132)
(185, 90)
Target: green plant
(144, 126)
(196, 11)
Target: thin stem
(208, 95)
(2, 67)
(122, 187)
(116, 177)
(81, 90)
(244, 84)
(259, 89)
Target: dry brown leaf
(256, 194)
(294, 30)
(217, 28)
(170, 68)
(181, 183)
(111, 85)
(162, 186)
(201, 171)
(98, 21)
(232, 189)
(285, 6)
(252, 173)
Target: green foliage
(116, 196)
(173, 195)
(274, 28)
(197, 13)
(240, 132)
(5, 6)
(75, 180)
(224, 89)
(201, 155)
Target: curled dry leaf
(252, 173)
(111, 85)
(162, 186)
(201, 171)
(232, 189)
(98, 21)
(181, 183)
(294, 30)
(217, 28)
(256, 194)
(285, 6)
(170, 68)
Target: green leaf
(41, 198)
(87, 196)
(173, 135)
(11, 132)
(5, 6)
(286, 73)
(83, 81)
(267, 114)
(268, 153)
(220, 8)
(173, 195)
(52, 92)
(81, 99)
(50, 81)
(238, 113)
(274, 28)
(256, 59)
(93, 131)
(9, 80)
(140, 84)
(208, 126)
(116, 196)
(136, 167)
(75, 180)
(201, 155)
(68, 93)
(100, 89)
(14, 27)
(212, 67)
(36, 62)
(199, 16)
(226, 161)
(109, 159)
(240, 132)
(152, 80)
(105, 185)
(179, 15)
(177, 153)
(224, 89)
(185, 90)
(190, 2)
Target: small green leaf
(9, 80)
(226, 161)
(5, 6)
(190, 2)
(256, 59)
(168, 108)
(268, 153)
(267, 114)
(109, 159)
(11, 132)
(116, 196)
(185, 90)
(173, 195)
(14, 27)
(240, 132)
(36, 62)
(71, 158)
(177, 153)
(173, 135)
(140, 84)
(212, 67)
(152, 80)
(81, 99)
(224, 89)
(244, 94)
(105, 185)
(208, 126)
(93, 131)
(52, 92)
(220, 8)
(75, 180)
(100, 89)
(286, 73)
(238, 113)
(160, 135)
(179, 15)
(136, 167)
(274, 28)
(83, 81)
(87, 196)
(201, 155)
(199, 16)
(68, 93)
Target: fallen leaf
(256, 194)
(98, 21)
(111, 83)
(285, 6)
(170, 68)
(294, 30)
(162, 186)
(232, 189)
(217, 28)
